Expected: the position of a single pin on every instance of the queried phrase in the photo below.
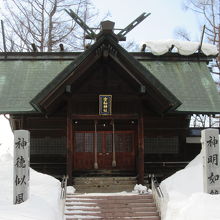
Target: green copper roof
(124, 59)
(191, 83)
(20, 81)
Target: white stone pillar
(211, 162)
(21, 166)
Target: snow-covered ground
(187, 201)
(44, 201)
(6, 136)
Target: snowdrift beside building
(186, 199)
(44, 202)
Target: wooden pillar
(95, 147)
(23, 123)
(140, 162)
(113, 144)
(69, 143)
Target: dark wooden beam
(69, 144)
(93, 97)
(75, 74)
(140, 156)
(123, 116)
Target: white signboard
(21, 166)
(211, 163)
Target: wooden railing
(158, 196)
(63, 194)
(163, 169)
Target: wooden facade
(70, 143)
(144, 134)
(74, 137)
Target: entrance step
(103, 173)
(111, 207)
(104, 184)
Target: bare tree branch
(209, 13)
(45, 23)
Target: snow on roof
(185, 48)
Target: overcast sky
(166, 15)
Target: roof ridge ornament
(106, 26)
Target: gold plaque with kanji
(105, 104)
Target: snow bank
(6, 136)
(186, 181)
(184, 191)
(186, 48)
(44, 202)
(70, 190)
(140, 189)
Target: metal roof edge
(196, 112)
(18, 56)
(5, 56)
(19, 112)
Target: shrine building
(105, 110)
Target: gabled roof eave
(94, 53)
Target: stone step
(151, 208)
(116, 201)
(103, 173)
(120, 213)
(116, 214)
(107, 209)
(104, 196)
(111, 207)
(104, 189)
(111, 199)
(79, 217)
(100, 180)
(107, 178)
(104, 184)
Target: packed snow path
(88, 206)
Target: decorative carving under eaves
(106, 50)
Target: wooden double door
(103, 147)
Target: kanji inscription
(211, 168)
(105, 104)
(21, 166)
